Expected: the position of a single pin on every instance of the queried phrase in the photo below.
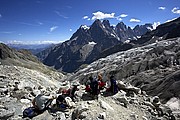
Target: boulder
(78, 111)
(156, 101)
(44, 116)
(134, 116)
(61, 115)
(105, 105)
(121, 85)
(134, 89)
(5, 113)
(25, 101)
(102, 115)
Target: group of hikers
(67, 97)
(94, 85)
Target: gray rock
(102, 115)
(134, 116)
(6, 113)
(83, 115)
(79, 110)
(44, 116)
(61, 115)
(105, 105)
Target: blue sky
(41, 21)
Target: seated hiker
(60, 102)
(113, 86)
(94, 86)
(87, 84)
(42, 102)
(100, 82)
(70, 92)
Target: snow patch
(138, 36)
(149, 28)
(127, 41)
(113, 35)
(92, 43)
(85, 27)
(155, 24)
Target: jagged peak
(97, 22)
(121, 25)
(106, 23)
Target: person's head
(90, 78)
(99, 76)
(75, 87)
(112, 77)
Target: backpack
(30, 112)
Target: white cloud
(19, 34)
(53, 28)
(7, 32)
(40, 23)
(123, 15)
(70, 29)
(161, 8)
(101, 15)
(0, 16)
(155, 24)
(170, 20)
(134, 20)
(46, 42)
(176, 10)
(89, 19)
(60, 15)
(33, 42)
(85, 17)
(118, 18)
(14, 42)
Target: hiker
(88, 89)
(60, 101)
(70, 92)
(42, 102)
(113, 86)
(100, 82)
(94, 87)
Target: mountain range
(147, 71)
(88, 42)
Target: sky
(44, 21)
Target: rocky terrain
(155, 68)
(18, 86)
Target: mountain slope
(87, 44)
(23, 58)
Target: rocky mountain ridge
(164, 31)
(23, 58)
(77, 51)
